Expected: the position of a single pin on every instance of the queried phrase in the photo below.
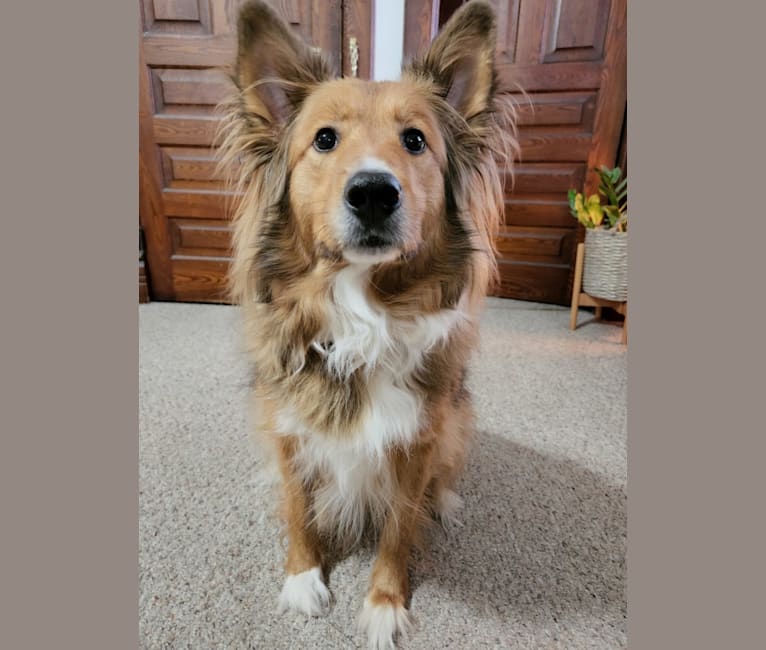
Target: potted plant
(605, 217)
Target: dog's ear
(461, 59)
(275, 69)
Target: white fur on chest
(387, 351)
(361, 336)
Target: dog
(363, 249)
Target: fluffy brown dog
(364, 246)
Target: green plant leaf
(613, 214)
(615, 195)
(571, 198)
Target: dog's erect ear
(461, 59)
(275, 69)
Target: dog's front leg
(304, 590)
(385, 616)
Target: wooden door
(569, 56)
(183, 205)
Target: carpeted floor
(539, 562)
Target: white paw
(447, 505)
(305, 592)
(383, 624)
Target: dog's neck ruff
(361, 336)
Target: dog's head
(365, 172)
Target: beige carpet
(539, 563)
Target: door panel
(574, 30)
(569, 58)
(184, 207)
(539, 193)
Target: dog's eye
(414, 141)
(325, 139)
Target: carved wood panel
(507, 30)
(177, 16)
(574, 30)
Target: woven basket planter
(605, 272)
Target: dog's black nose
(373, 196)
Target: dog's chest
(362, 339)
(366, 339)
(365, 336)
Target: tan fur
(289, 251)
(303, 550)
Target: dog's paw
(446, 506)
(305, 592)
(384, 624)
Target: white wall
(389, 39)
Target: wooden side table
(582, 299)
